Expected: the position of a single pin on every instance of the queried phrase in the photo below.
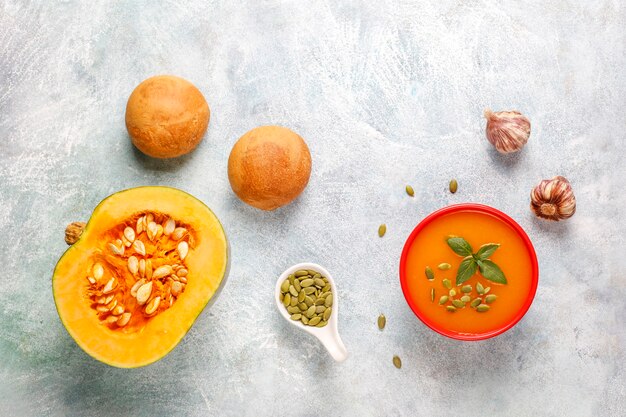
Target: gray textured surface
(386, 93)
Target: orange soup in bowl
(469, 272)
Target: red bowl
(482, 209)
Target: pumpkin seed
(139, 247)
(91, 280)
(466, 288)
(476, 302)
(129, 234)
(490, 298)
(142, 266)
(293, 291)
(430, 275)
(319, 302)
(446, 283)
(466, 298)
(143, 293)
(98, 271)
(480, 289)
(382, 229)
(309, 301)
(310, 312)
(443, 299)
(453, 186)
(487, 290)
(178, 233)
(382, 320)
(306, 282)
(182, 272)
(458, 303)
(301, 273)
(321, 323)
(301, 296)
(327, 288)
(168, 227)
(177, 288)
(162, 272)
(327, 313)
(139, 226)
(109, 286)
(296, 317)
(397, 362)
(296, 284)
(134, 288)
(183, 249)
(314, 321)
(432, 295)
(320, 309)
(293, 310)
(151, 308)
(452, 292)
(293, 302)
(444, 266)
(284, 287)
(319, 282)
(451, 309)
(309, 290)
(329, 300)
(482, 308)
(409, 190)
(304, 319)
(303, 306)
(287, 299)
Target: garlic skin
(508, 131)
(553, 199)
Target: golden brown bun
(166, 116)
(269, 167)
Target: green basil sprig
(476, 261)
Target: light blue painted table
(385, 93)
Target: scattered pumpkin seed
(490, 298)
(432, 295)
(466, 298)
(409, 190)
(382, 229)
(476, 302)
(397, 362)
(444, 266)
(443, 299)
(452, 292)
(430, 275)
(453, 186)
(487, 290)
(451, 309)
(458, 303)
(382, 320)
(480, 289)
(466, 288)
(446, 283)
(482, 308)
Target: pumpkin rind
(207, 264)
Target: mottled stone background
(386, 93)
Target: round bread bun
(269, 167)
(166, 116)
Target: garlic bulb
(553, 199)
(508, 131)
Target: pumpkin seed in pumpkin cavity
(284, 287)
(490, 298)
(382, 320)
(446, 283)
(397, 362)
(430, 275)
(443, 299)
(466, 288)
(444, 266)
(315, 321)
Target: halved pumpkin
(139, 273)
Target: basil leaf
(487, 250)
(491, 271)
(466, 270)
(460, 246)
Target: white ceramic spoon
(328, 335)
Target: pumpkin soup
(469, 272)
